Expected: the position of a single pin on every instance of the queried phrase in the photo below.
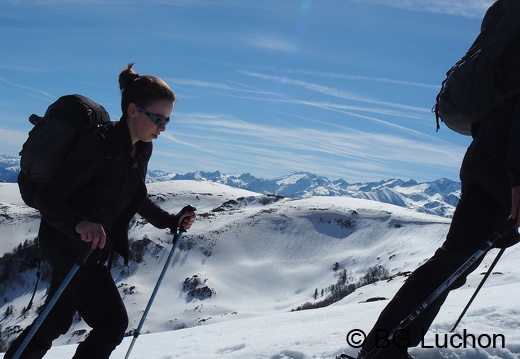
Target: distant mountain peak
(438, 197)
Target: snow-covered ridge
(437, 197)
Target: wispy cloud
(237, 107)
(344, 108)
(244, 91)
(200, 83)
(283, 142)
(467, 8)
(269, 42)
(363, 78)
(327, 90)
(190, 3)
(31, 91)
(284, 148)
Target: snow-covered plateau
(251, 259)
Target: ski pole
(478, 289)
(503, 230)
(80, 261)
(176, 240)
(38, 276)
(38, 273)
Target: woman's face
(147, 122)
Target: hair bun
(127, 77)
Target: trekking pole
(478, 289)
(176, 239)
(503, 230)
(34, 262)
(38, 276)
(80, 262)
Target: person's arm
(162, 219)
(152, 212)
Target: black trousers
(485, 203)
(93, 294)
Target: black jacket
(99, 181)
(498, 135)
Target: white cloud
(31, 91)
(388, 108)
(363, 78)
(284, 148)
(467, 8)
(199, 83)
(327, 90)
(269, 42)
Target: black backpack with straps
(473, 87)
(52, 137)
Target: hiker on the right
(490, 193)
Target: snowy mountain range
(437, 197)
(251, 259)
(9, 168)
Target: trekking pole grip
(506, 227)
(86, 250)
(188, 208)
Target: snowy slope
(263, 256)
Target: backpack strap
(104, 131)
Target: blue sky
(339, 88)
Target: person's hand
(515, 204)
(186, 219)
(92, 233)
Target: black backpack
(473, 87)
(53, 136)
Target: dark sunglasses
(159, 120)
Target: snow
(267, 257)
(9, 193)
